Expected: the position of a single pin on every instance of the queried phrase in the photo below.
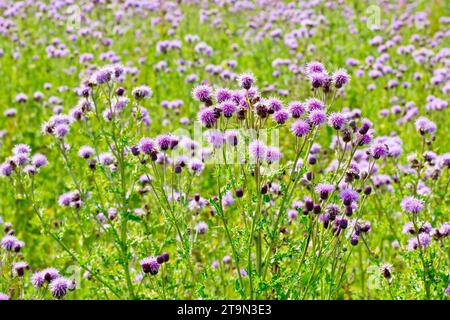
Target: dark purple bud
(120, 91)
(309, 204)
(317, 208)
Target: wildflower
(424, 239)
(85, 152)
(201, 227)
(300, 128)
(207, 117)
(386, 270)
(20, 268)
(142, 92)
(50, 274)
(164, 141)
(340, 78)
(59, 287)
(6, 169)
(150, 265)
(314, 104)
(22, 148)
(412, 205)
(8, 242)
(228, 199)
(379, 150)
(39, 160)
(215, 138)
(203, 93)
(146, 146)
(324, 189)
(317, 117)
(280, 116)
(424, 125)
(195, 165)
(38, 279)
(296, 109)
(223, 95)
(337, 120)
(106, 158)
(246, 80)
(314, 67)
(228, 108)
(257, 150)
(273, 155)
(348, 196)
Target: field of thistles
(226, 149)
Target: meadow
(227, 149)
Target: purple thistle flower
(201, 227)
(196, 166)
(317, 79)
(142, 92)
(314, 104)
(412, 244)
(324, 189)
(59, 287)
(274, 105)
(39, 160)
(22, 149)
(3, 297)
(207, 117)
(273, 155)
(300, 128)
(8, 242)
(314, 67)
(223, 95)
(348, 196)
(412, 205)
(215, 138)
(340, 78)
(228, 108)
(202, 93)
(147, 146)
(85, 152)
(257, 150)
(317, 117)
(424, 239)
(150, 265)
(379, 150)
(296, 109)
(20, 159)
(228, 199)
(424, 125)
(337, 120)
(102, 76)
(50, 274)
(61, 130)
(231, 137)
(226, 259)
(106, 158)
(164, 141)
(280, 116)
(38, 279)
(6, 169)
(246, 80)
(20, 267)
